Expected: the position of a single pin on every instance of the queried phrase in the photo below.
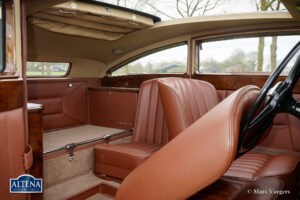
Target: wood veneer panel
(115, 89)
(134, 81)
(11, 95)
(221, 82)
(10, 40)
(234, 82)
(35, 139)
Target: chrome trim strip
(106, 138)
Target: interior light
(117, 51)
(133, 23)
(73, 5)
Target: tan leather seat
(200, 155)
(150, 133)
(195, 158)
(186, 100)
(230, 189)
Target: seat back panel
(176, 92)
(150, 123)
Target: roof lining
(291, 7)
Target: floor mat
(73, 186)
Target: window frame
(51, 76)
(3, 12)
(238, 36)
(146, 53)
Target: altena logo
(26, 184)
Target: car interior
(103, 101)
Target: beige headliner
(55, 46)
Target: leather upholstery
(12, 150)
(185, 100)
(194, 159)
(122, 158)
(249, 167)
(284, 132)
(112, 108)
(150, 133)
(280, 165)
(240, 190)
(63, 106)
(253, 166)
(181, 105)
(150, 124)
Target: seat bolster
(127, 156)
(279, 165)
(121, 149)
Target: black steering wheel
(270, 101)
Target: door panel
(12, 136)
(12, 118)
(284, 133)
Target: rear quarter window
(46, 69)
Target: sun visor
(93, 20)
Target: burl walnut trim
(234, 82)
(11, 95)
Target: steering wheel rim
(280, 100)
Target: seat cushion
(253, 166)
(227, 189)
(119, 160)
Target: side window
(2, 37)
(168, 61)
(47, 69)
(245, 55)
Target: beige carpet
(73, 186)
(60, 169)
(60, 138)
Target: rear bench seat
(186, 100)
(150, 133)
